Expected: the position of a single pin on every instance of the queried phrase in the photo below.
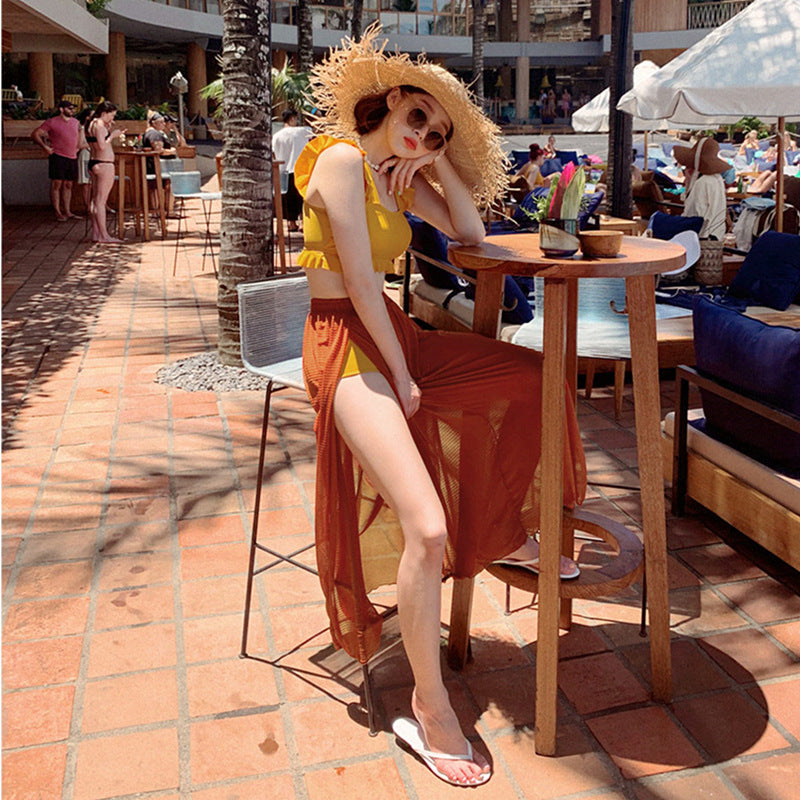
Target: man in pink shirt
(60, 137)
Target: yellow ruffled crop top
(389, 232)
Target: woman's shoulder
(328, 151)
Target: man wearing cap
(59, 137)
(155, 138)
(705, 187)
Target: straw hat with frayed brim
(360, 69)
(703, 157)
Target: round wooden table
(638, 262)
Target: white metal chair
(187, 186)
(272, 315)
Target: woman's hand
(405, 168)
(409, 394)
(117, 132)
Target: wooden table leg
(647, 404)
(568, 531)
(460, 616)
(486, 317)
(145, 199)
(121, 199)
(551, 510)
(277, 207)
(488, 300)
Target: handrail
(713, 14)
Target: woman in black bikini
(101, 166)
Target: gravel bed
(204, 372)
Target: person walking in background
(287, 144)
(59, 137)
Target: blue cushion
(528, 203)
(550, 166)
(760, 361)
(432, 242)
(589, 204)
(518, 159)
(665, 226)
(770, 273)
(567, 156)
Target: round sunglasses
(418, 118)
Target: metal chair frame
(277, 358)
(206, 198)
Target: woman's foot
(443, 734)
(527, 557)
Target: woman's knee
(427, 537)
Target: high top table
(639, 260)
(131, 161)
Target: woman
(550, 147)
(530, 176)
(442, 426)
(101, 166)
(704, 186)
(750, 142)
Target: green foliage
(133, 111)
(289, 87)
(96, 7)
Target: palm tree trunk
(620, 124)
(305, 36)
(246, 227)
(356, 23)
(478, 36)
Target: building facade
(129, 54)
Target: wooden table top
(519, 254)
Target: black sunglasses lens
(433, 141)
(417, 118)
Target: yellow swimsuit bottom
(356, 362)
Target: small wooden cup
(600, 244)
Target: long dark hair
(370, 111)
(101, 108)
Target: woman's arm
(337, 184)
(455, 213)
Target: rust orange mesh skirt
(478, 431)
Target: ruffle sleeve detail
(406, 199)
(307, 160)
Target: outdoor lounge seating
(739, 456)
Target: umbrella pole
(779, 183)
(646, 162)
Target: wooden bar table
(639, 260)
(133, 162)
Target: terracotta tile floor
(125, 510)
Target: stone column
(40, 72)
(523, 93)
(197, 78)
(117, 70)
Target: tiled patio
(125, 510)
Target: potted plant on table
(557, 213)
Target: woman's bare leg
(104, 180)
(370, 420)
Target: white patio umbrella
(593, 116)
(749, 66)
